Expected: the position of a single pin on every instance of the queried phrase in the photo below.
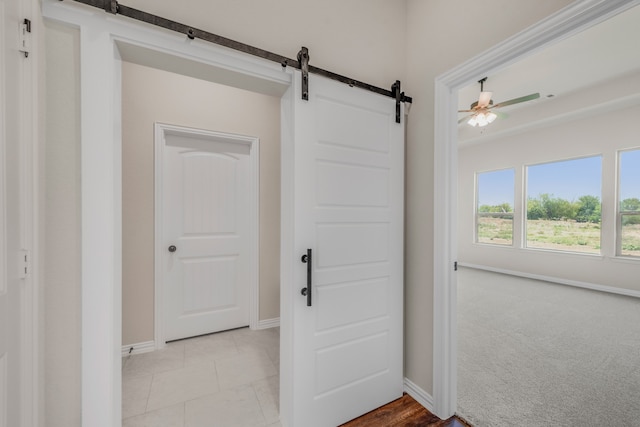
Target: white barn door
(348, 197)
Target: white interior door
(207, 189)
(349, 196)
(10, 218)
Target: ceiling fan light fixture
(481, 118)
(481, 114)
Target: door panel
(209, 205)
(349, 175)
(351, 244)
(361, 186)
(369, 296)
(206, 214)
(198, 296)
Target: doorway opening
(570, 20)
(213, 189)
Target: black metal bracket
(303, 59)
(395, 90)
(24, 42)
(111, 6)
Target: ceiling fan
(481, 110)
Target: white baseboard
(576, 283)
(420, 396)
(139, 348)
(268, 323)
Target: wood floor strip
(403, 412)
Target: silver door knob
(172, 248)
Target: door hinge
(24, 264)
(455, 266)
(24, 38)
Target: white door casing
(101, 38)
(10, 224)
(19, 378)
(9, 218)
(207, 200)
(348, 179)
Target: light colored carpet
(533, 353)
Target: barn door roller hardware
(395, 90)
(303, 59)
(112, 6)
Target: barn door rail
(114, 7)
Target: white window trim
(620, 213)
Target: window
(494, 209)
(563, 205)
(629, 206)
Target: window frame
(525, 207)
(619, 212)
(477, 214)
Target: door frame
(30, 186)
(105, 41)
(568, 21)
(160, 132)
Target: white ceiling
(593, 59)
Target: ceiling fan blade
(465, 118)
(465, 111)
(484, 99)
(517, 100)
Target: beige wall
(61, 273)
(364, 39)
(611, 132)
(148, 96)
(377, 41)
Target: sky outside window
(567, 180)
(496, 188)
(630, 174)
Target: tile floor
(225, 379)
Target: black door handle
(306, 258)
(172, 248)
